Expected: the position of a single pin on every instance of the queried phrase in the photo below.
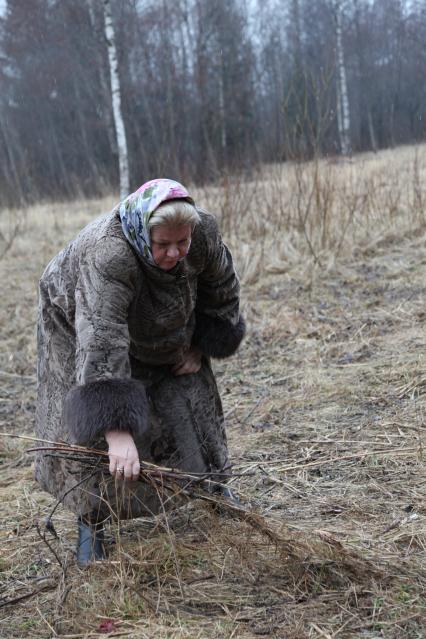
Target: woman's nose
(173, 251)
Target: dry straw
(326, 425)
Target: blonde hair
(174, 213)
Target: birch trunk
(343, 113)
(116, 102)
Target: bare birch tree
(120, 130)
(343, 112)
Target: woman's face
(169, 244)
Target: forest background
(208, 87)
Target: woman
(129, 314)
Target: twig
(400, 522)
(10, 602)
(39, 439)
(321, 632)
(161, 479)
(331, 460)
(17, 376)
(59, 502)
(52, 550)
(90, 457)
(252, 410)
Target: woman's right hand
(123, 455)
(190, 363)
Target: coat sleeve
(105, 396)
(219, 326)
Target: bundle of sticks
(205, 486)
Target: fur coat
(110, 326)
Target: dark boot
(227, 492)
(90, 545)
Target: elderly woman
(130, 313)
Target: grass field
(325, 406)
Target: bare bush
(10, 226)
(319, 211)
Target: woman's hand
(123, 455)
(191, 362)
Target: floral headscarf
(138, 207)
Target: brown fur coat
(110, 326)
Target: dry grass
(326, 422)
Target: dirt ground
(325, 406)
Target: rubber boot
(90, 545)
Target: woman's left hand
(191, 362)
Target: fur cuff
(110, 404)
(217, 337)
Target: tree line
(207, 87)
